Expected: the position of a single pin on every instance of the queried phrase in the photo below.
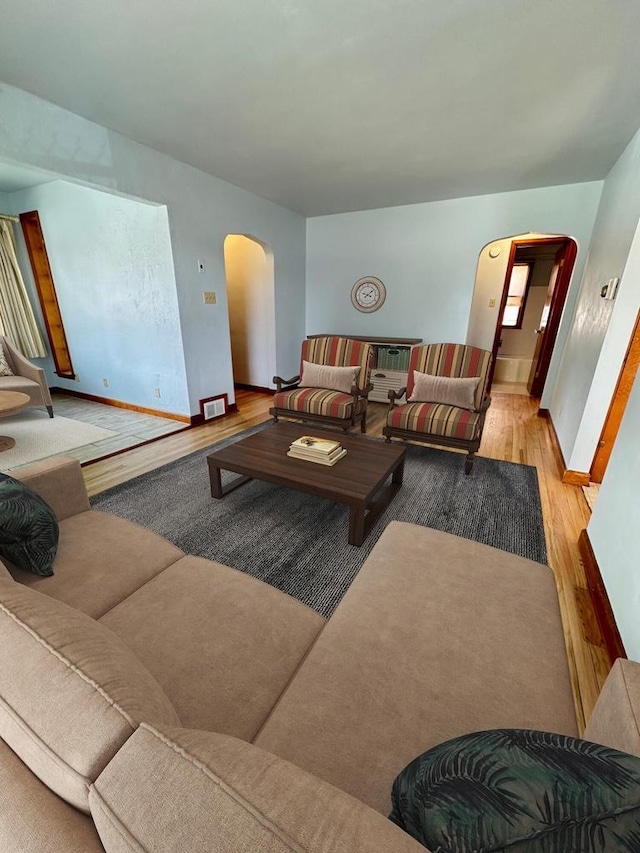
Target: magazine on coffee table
(311, 444)
(318, 458)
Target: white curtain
(17, 321)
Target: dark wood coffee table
(358, 480)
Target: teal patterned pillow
(518, 791)
(28, 528)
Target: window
(517, 296)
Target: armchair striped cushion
(322, 404)
(456, 360)
(339, 352)
(435, 418)
(440, 423)
(317, 401)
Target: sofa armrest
(60, 482)
(615, 720)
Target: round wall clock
(368, 294)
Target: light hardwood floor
(129, 428)
(513, 432)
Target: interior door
(548, 330)
(542, 325)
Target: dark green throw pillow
(28, 528)
(518, 791)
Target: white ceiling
(334, 105)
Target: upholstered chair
(446, 398)
(333, 384)
(20, 374)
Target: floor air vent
(213, 408)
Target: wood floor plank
(514, 432)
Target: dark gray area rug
(298, 542)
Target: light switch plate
(610, 289)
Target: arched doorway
(249, 271)
(520, 291)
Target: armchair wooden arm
(363, 393)
(281, 383)
(395, 395)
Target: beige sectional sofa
(155, 701)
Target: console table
(390, 366)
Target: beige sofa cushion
(436, 637)
(71, 693)
(101, 560)
(176, 789)
(615, 720)
(35, 820)
(222, 644)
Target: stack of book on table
(324, 451)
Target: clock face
(368, 294)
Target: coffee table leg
(398, 474)
(362, 519)
(216, 482)
(356, 526)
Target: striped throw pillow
(5, 370)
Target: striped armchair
(433, 418)
(323, 404)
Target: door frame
(270, 283)
(46, 289)
(557, 301)
(618, 403)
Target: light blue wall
(112, 266)
(600, 329)
(426, 254)
(202, 210)
(614, 530)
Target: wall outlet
(105, 382)
(157, 392)
(209, 297)
(201, 266)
